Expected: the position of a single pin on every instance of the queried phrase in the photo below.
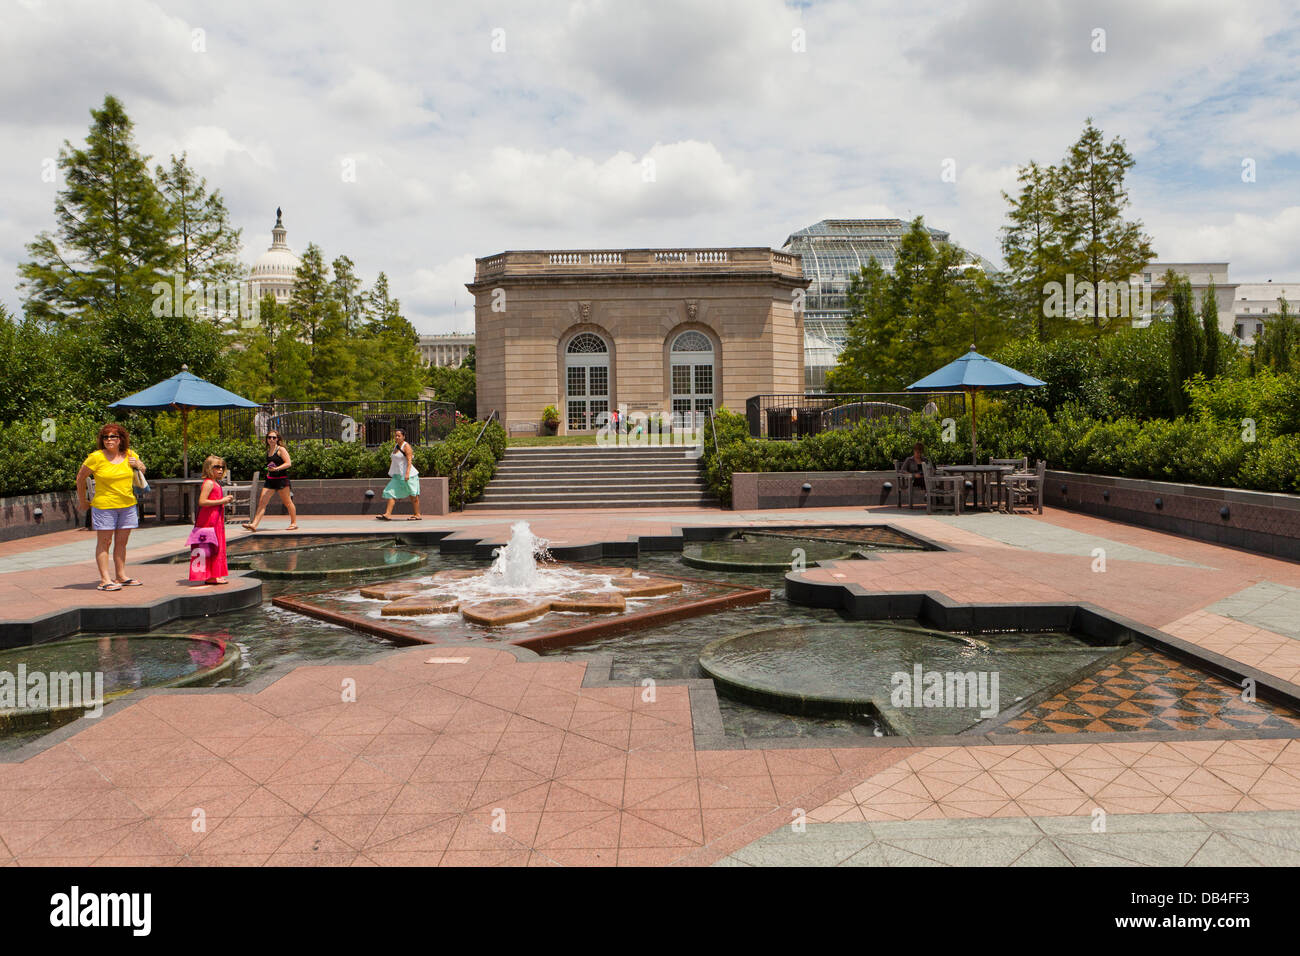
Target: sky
(415, 137)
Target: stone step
(589, 495)
(694, 501)
(616, 471)
(649, 481)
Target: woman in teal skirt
(403, 479)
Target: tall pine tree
(1100, 245)
(208, 243)
(1187, 342)
(113, 227)
(1031, 246)
(1210, 330)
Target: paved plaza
(476, 755)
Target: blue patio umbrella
(184, 391)
(970, 373)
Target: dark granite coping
(243, 591)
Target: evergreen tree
(207, 241)
(114, 229)
(390, 365)
(1187, 343)
(1031, 246)
(1276, 343)
(923, 315)
(270, 360)
(309, 304)
(346, 290)
(1210, 327)
(1098, 244)
(470, 361)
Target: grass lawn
(533, 441)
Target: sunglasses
(112, 438)
(218, 467)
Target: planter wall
(311, 496)
(755, 491)
(59, 512)
(347, 496)
(1255, 520)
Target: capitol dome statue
(274, 270)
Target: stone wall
(59, 512)
(755, 491)
(1254, 520)
(311, 496)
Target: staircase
(591, 477)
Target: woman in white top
(403, 479)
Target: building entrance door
(692, 379)
(586, 381)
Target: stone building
(654, 330)
(445, 350)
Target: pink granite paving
(28, 594)
(414, 771)
(1196, 776)
(482, 762)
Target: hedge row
(1203, 451)
(45, 456)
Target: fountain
(525, 595)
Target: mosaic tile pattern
(1148, 690)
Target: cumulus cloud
(670, 181)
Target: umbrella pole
(974, 458)
(185, 442)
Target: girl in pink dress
(207, 565)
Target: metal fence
(796, 416)
(370, 423)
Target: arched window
(692, 378)
(586, 381)
(587, 342)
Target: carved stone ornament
(692, 310)
(584, 311)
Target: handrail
(713, 427)
(456, 473)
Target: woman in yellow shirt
(112, 510)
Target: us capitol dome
(273, 272)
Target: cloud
(369, 97)
(439, 294)
(676, 180)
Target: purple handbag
(203, 538)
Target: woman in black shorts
(277, 482)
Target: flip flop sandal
(131, 583)
(413, 518)
(249, 527)
(109, 587)
(382, 518)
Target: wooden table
(185, 488)
(980, 475)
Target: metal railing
(797, 416)
(457, 472)
(369, 423)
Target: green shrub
(29, 464)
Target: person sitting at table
(914, 465)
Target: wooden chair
(905, 480)
(946, 491)
(1026, 489)
(245, 498)
(1019, 464)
